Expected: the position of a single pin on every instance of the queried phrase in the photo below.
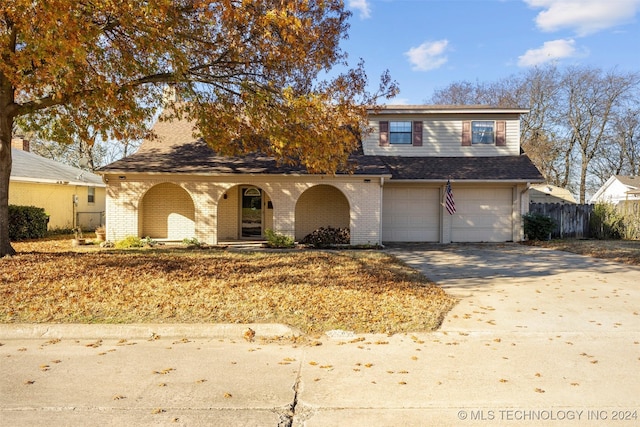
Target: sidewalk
(553, 341)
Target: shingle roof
(630, 181)
(198, 158)
(503, 168)
(28, 166)
(175, 150)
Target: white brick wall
(217, 219)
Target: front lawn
(625, 251)
(315, 291)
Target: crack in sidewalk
(289, 411)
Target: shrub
(538, 226)
(278, 240)
(326, 237)
(27, 222)
(129, 242)
(605, 221)
(192, 242)
(609, 221)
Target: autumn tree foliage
(248, 72)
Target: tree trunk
(6, 122)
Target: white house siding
(442, 137)
(483, 214)
(614, 191)
(411, 213)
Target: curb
(140, 331)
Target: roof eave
(56, 182)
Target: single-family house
(618, 188)
(71, 197)
(176, 187)
(547, 193)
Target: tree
(247, 72)
(592, 97)
(578, 116)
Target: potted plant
(79, 239)
(101, 234)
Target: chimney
(20, 143)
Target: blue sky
(428, 44)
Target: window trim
(499, 133)
(405, 135)
(475, 133)
(414, 131)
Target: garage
(411, 214)
(482, 215)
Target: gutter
(464, 181)
(58, 182)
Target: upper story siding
(442, 131)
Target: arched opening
(321, 206)
(167, 212)
(244, 212)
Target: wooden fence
(572, 221)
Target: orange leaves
(311, 290)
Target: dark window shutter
(466, 133)
(417, 134)
(384, 133)
(501, 133)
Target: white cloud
(583, 16)
(362, 6)
(428, 56)
(550, 51)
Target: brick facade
(140, 205)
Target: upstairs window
(482, 132)
(400, 133)
(91, 194)
(405, 132)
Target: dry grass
(314, 291)
(625, 251)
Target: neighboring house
(175, 187)
(70, 196)
(547, 193)
(618, 188)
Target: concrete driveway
(538, 338)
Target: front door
(251, 216)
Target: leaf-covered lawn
(625, 251)
(314, 291)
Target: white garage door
(482, 215)
(411, 214)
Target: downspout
(521, 220)
(380, 208)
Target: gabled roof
(29, 167)
(629, 181)
(549, 192)
(175, 150)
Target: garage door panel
(483, 215)
(411, 214)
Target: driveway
(538, 338)
(516, 288)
